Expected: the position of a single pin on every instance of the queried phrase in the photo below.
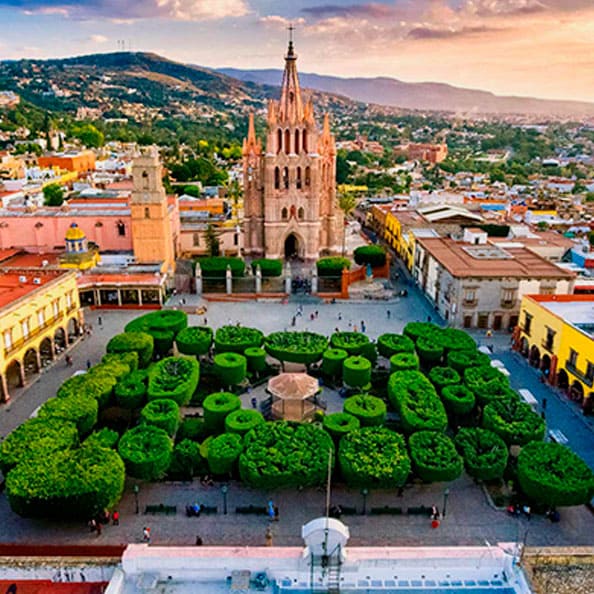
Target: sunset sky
(541, 48)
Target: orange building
(431, 153)
(81, 162)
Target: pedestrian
(99, 528)
(205, 321)
(489, 333)
(146, 534)
(199, 542)
(316, 312)
(115, 517)
(293, 321)
(339, 316)
(389, 314)
(99, 321)
(183, 300)
(270, 510)
(312, 317)
(434, 512)
(254, 402)
(276, 513)
(363, 326)
(268, 536)
(92, 524)
(355, 329)
(429, 319)
(88, 364)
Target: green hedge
(356, 372)
(390, 344)
(370, 254)
(285, 454)
(162, 325)
(243, 420)
(434, 457)
(236, 339)
(80, 410)
(186, 461)
(175, 378)
(194, 340)
(130, 391)
(442, 377)
(416, 330)
(369, 410)
(230, 368)
(104, 438)
(339, 424)
(488, 384)
(216, 266)
(216, 408)
(374, 458)
(430, 351)
(458, 399)
(96, 386)
(332, 266)
(514, 421)
(162, 413)
(128, 359)
(192, 428)
(457, 340)
(296, 347)
(416, 401)
(354, 343)
(484, 453)
(552, 474)
(332, 361)
(223, 452)
(70, 484)
(146, 452)
(268, 266)
(461, 360)
(139, 342)
(114, 370)
(404, 362)
(256, 359)
(36, 437)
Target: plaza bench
(346, 510)
(251, 509)
(386, 511)
(168, 510)
(420, 510)
(209, 509)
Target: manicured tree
(256, 359)
(103, 438)
(285, 454)
(356, 372)
(416, 330)
(223, 452)
(175, 378)
(332, 361)
(216, 266)
(457, 340)
(461, 360)
(369, 410)
(97, 385)
(130, 391)
(404, 362)
(194, 340)
(162, 325)
(243, 420)
(488, 384)
(434, 457)
(332, 266)
(139, 342)
(514, 421)
(442, 377)
(80, 410)
(186, 461)
(216, 408)
(553, 475)
(69, 484)
(339, 424)
(114, 370)
(374, 458)
(484, 453)
(375, 255)
(129, 359)
(268, 266)
(354, 343)
(192, 428)
(430, 352)
(458, 399)
(390, 344)
(162, 413)
(296, 347)
(235, 339)
(230, 368)
(146, 452)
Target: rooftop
(15, 285)
(577, 310)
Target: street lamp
(224, 490)
(364, 492)
(446, 494)
(136, 489)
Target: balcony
(571, 368)
(508, 303)
(17, 344)
(547, 345)
(470, 303)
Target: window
(68, 299)
(147, 212)
(276, 178)
(121, 229)
(279, 141)
(286, 178)
(300, 213)
(304, 140)
(573, 357)
(298, 180)
(590, 371)
(56, 308)
(284, 214)
(508, 296)
(307, 174)
(7, 339)
(527, 323)
(297, 147)
(549, 339)
(287, 142)
(196, 239)
(469, 295)
(41, 317)
(145, 180)
(236, 239)
(25, 328)
(546, 290)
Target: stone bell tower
(290, 189)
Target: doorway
(291, 247)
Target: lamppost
(446, 494)
(364, 492)
(136, 489)
(224, 490)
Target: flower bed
(235, 339)
(146, 452)
(296, 347)
(434, 457)
(175, 378)
(369, 410)
(484, 453)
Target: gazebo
(292, 395)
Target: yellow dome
(75, 232)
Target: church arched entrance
(291, 247)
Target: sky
(538, 48)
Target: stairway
(334, 576)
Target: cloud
(98, 38)
(372, 10)
(436, 33)
(125, 10)
(505, 7)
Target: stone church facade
(290, 204)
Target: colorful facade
(81, 162)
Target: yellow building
(39, 316)
(79, 254)
(556, 334)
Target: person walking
(98, 528)
(88, 364)
(389, 314)
(146, 534)
(115, 517)
(100, 321)
(270, 510)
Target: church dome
(75, 233)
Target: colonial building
(289, 189)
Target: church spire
(251, 144)
(290, 104)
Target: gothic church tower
(290, 200)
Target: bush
(296, 347)
(488, 384)
(192, 428)
(98, 386)
(236, 339)
(194, 340)
(484, 453)
(256, 359)
(69, 484)
(332, 266)
(146, 452)
(552, 474)
(216, 266)
(390, 344)
(216, 408)
(186, 461)
(80, 410)
(223, 452)
(457, 340)
(332, 361)
(354, 343)
(129, 360)
(369, 410)
(243, 420)
(416, 330)
(175, 378)
(269, 267)
(430, 352)
(130, 391)
(434, 457)
(285, 454)
(36, 438)
(416, 401)
(230, 368)
(404, 362)
(458, 399)
(104, 438)
(356, 372)
(514, 421)
(139, 342)
(374, 458)
(114, 370)
(442, 377)
(461, 360)
(370, 254)
(162, 325)
(339, 424)
(162, 413)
